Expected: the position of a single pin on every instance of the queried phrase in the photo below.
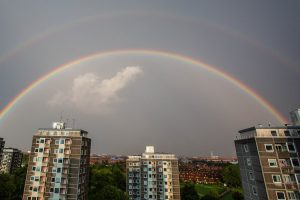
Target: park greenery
(107, 182)
(228, 189)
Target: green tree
(231, 175)
(7, 187)
(189, 192)
(19, 177)
(107, 182)
(119, 177)
(110, 192)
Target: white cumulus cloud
(92, 95)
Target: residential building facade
(295, 117)
(11, 160)
(58, 167)
(152, 176)
(269, 162)
(2, 143)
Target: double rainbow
(214, 70)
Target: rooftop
(10, 149)
(268, 127)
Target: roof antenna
(73, 126)
(61, 116)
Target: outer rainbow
(262, 101)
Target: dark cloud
(173, 105)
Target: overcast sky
(131, 100)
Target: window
(292, 195)
(281, 147)
(251, 175)
(295, 162)
(274, 133)
(249, 163)
(287, 179)
(276, 179)
(287, 133)
(56, 141)
(269, 148)
(284, 163)
(298, 178)
(254, 190)
(246, 148)
(280, 195)
(272, 162)
(61, 150)
(62, 141)
(56, 190)
(291, 147)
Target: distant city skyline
(183, 77)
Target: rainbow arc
(212, 69)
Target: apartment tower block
(269, 163)
(58, 167)
(152, 176)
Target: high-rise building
(11, 160)
(152, 176)
(269, 162)
(2, 142)
(58, 167)
(295, 117)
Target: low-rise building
(2, 143)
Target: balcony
(291, 186)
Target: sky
(129, 99)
